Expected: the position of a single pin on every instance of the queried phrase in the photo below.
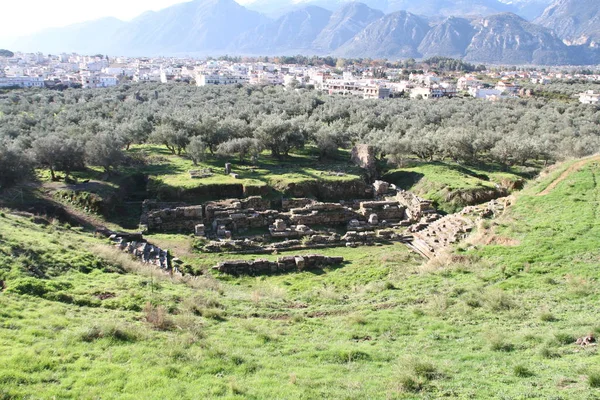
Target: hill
(501, 315)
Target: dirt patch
(501, 241)
(573, 168)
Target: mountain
(344, 24)
(450, 38)
(439, 8)
(395, 35)
(528, 9)
(79, 38)
(575, 21)
(216, 27)
(507, 38)
(446, 8)
(201, 26)
(291, 33)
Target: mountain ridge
(216, 27)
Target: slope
(344, 24)
(497, 318)
(394, 35)
(576, 21)
(293, 32)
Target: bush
(28, 286)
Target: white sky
(22, 17)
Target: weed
(522, 371)
(158, 317)
(547, 352)
(498, 300)
(499, 343)
(411, 384)
(564, 338)
(548, 317)
(593, 379)
(119, 333)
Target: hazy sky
(21, 17)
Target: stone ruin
(255, 224)
(432, 239)
(143, 251)
(363, 155)
(283, 264)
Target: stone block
(373, 219)
(381, 187)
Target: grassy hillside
(497, 320)
(452, 186)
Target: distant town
(37, 70)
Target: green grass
(381, 326)
(452, 186)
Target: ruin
(142, 250)
(258, 225)
(283, 264)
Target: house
(507, 87)
(466, 82)
(376, 92)
(480, 93)
(432, 92)
(589, 97)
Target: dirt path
(575, 167)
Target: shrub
(28, 286)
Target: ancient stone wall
(283, 264)
(385, 210)
(416, 207)
(322, 214)
(180, 219)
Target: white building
(220, 79)
(589, 97)
(480, 93)
(22, 81)
(427, 92)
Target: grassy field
(173, 170)
(498, 319)
(452, 186)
